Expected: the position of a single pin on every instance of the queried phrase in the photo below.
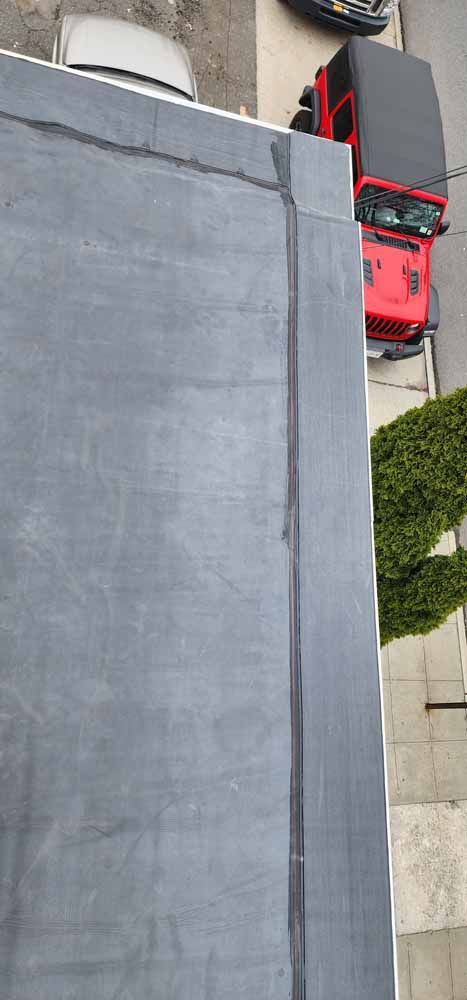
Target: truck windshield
(399, 212)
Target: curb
(430, 375)
(460, 622)
(462, 646)
(430, 371)
(398, 29)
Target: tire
(302, 121)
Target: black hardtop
(399, 128)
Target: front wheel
(302, 121)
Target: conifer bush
(419, 473)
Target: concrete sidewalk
(426, 752)
(426, 755)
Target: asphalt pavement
(438, 32)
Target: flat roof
(194, 799)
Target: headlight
(413, 328)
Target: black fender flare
(432, 322)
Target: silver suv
(119, 51)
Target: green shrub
(419, 472)
(424, 600)
(403, 543)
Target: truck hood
(113, 44)
(396, 277)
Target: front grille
(368, 271)
(364, 6)
(378, 327)
(414, 281)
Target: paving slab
(410, 374)
(458, 947)
(450, 760)
(384, 660)
(414, 773)
(388, 727)
(403, 969)
(407, 659)
(386, 402)
(429, 844)
(430, 966)
(443, 547)
(393, 791)
(442, 654)
(409, 715)
(447, 723)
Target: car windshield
(401, 213)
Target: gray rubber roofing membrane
(192, 798)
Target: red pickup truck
(383, 104)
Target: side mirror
(444, 227)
